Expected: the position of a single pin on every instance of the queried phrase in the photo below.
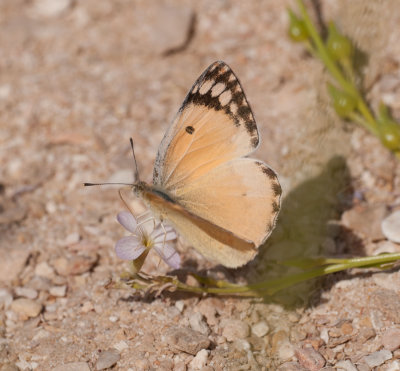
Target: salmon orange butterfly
(223, 203)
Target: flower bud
(389, 129)
(297, 29)
(343, 103)
(339, 46)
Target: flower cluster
(144, 237)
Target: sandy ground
(77, 79)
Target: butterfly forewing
(214, 125)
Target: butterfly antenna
(101, 184)
(136, 173)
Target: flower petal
(129, 248)
(168, 254)
(158, 234)
(127, 220)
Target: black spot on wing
(189, 129)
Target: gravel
(78, 79)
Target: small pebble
(242, 345)
(285, 351)
(291, 366)
(113, 319)
(107, 359)
(386, 303)
(345, 366)
(26, 292)
(392, 366)
(50, 8)
(282, 346)
(43, 269)
(58, 291)
(386, 247)
(76, 264)
(310, 358)
(41, 334)
(260, 329)
(208, 308)
(197, 323)
(234, 329)
(73, 366)
(200, 360)
(391, 227)
(363, 367)
(87, 307)
(391, 339)
(180, 305)
(26, 307)
(120, 346)
(12, 261)
(186, 340)
(365, 220)
(71, 239)
(5, 298)
(377, 358)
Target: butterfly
(223, 203)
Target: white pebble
(26, 307)
(5, 298)
(44, 270)
(234, 329)
(26, 292)
(50, 8)
(345, 366)
(180, 305)
(200, 360)
(377, 358)
(197, 323)
(58, 291)
(260, 329)
(120, 346)
(391, 227)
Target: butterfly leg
(164, 241)
(145, 221)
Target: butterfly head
(138, 188)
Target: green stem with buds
(340, 66)
(210, 286)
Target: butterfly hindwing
(214, 125)
(215, 243)
(242, 195)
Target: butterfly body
(222, 202)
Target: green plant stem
(322, 51)
(362, 121)
(335, 71)
(269, 287)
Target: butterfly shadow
(308, 227)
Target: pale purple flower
(145, 237)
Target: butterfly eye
(189, 129)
